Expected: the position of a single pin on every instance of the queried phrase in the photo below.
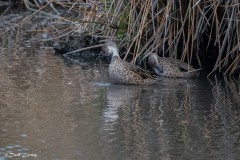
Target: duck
(122, 72)
(172, 68)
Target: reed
(191, 30)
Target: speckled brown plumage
(169, 67)
(122, 72)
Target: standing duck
(169, 67)
(122, 72)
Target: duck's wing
(178, 64)
(187, 67)
(168, 64)
(138, 70)
(191, 73)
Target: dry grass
(191, 30)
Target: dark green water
(60, 111)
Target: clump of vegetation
(203, 33)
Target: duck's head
(153, 60)
(109, 49)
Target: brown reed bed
(203, 33)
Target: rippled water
(53, 110)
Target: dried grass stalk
(181, 29)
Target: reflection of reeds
(145, 124)
(175, 28)
(223, 119)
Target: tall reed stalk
(190, 30)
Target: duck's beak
(100, 55)
(110, 57)
(160, 69)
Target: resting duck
(169, 67)
(122, 72)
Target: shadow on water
(59, 110)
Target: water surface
(56, 110)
